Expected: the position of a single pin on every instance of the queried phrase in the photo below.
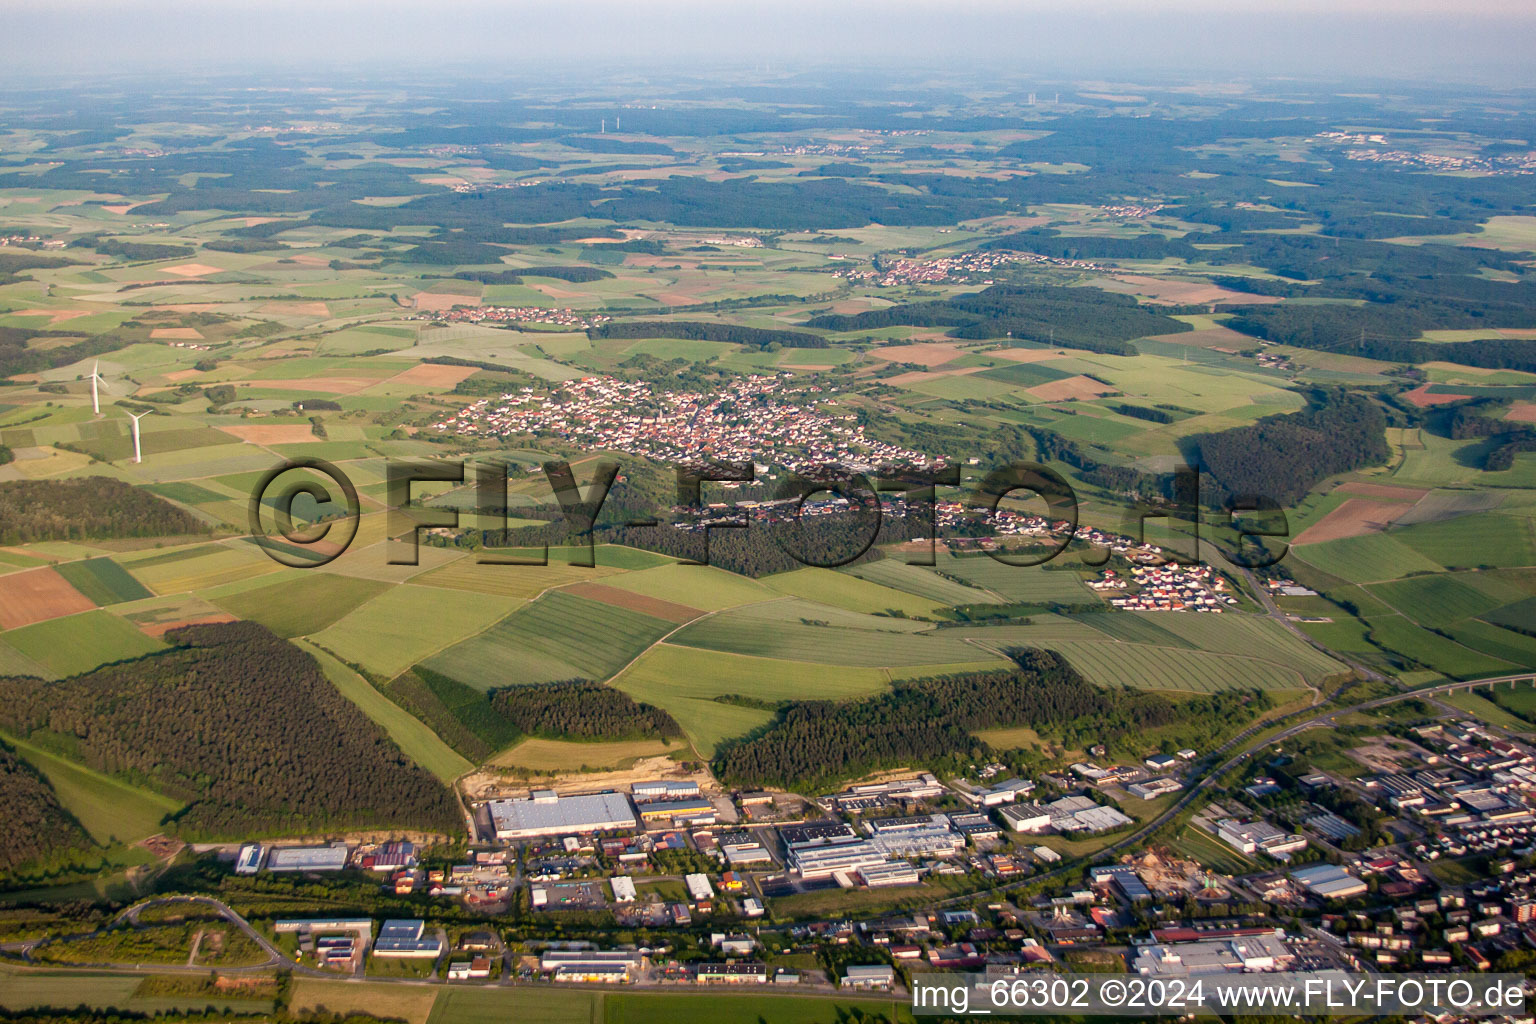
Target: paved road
(275, 956)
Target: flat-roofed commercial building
(896, 872)
(732, 974)
(546, 813)
(699, 888)
(826, 861)
(1329, 881)
(664, 789)
(308, 858)
(690, 809)
(878, 976)
(607, 966)
(249, 860)
(1026, 817)
(1221, 956)
(406, 939)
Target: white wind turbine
(96, 378)
(138, 454)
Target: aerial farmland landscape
(752, 539)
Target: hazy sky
(1488, 40)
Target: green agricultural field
(103, 581)
(684, 681)
(544, 1005)
(408, 623)
(1519, 701)
(1025, 584)
(1373, 557)
(199, 568)
(559, 636)
(893, 571)
(564, 755)
(698, 586)
(1480, 707)
(79, 643)
(843, 590)
(1450, 659)
(186, 493)
(794, 632)
(410, 734)
(1248, 636)
(1436, 600)
(1487, 539)
(1497, 642)
(108, 808)
(1161, 668)
(684, 1008)
(516, 581)
(298, 606)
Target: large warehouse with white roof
(546, 813)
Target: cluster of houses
(1173, 587)
(758, 418)
(567, 318)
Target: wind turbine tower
(96, 379)
(138, 453)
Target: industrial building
(826, 861)
(1028, 817)
(740, 848)
(400, 938)
(1081, 814)
(919, 836)
(699, 889)
(1329, 881)
(732, 974)
(546, 813)
(308, 858)
(623, 889)
(881, 977)
(664, 789)
(604, 966)
(896, 872)
(249, 860)
(817, 833)
(1259, 836)
(691, 810)
(1221, 956)
(1124, 878)
(882, 794)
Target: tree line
(753, 337)
(85, 508)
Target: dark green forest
(87, 507)
(243, 726)
(823, 742)
(36, 825)
(581, 710)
